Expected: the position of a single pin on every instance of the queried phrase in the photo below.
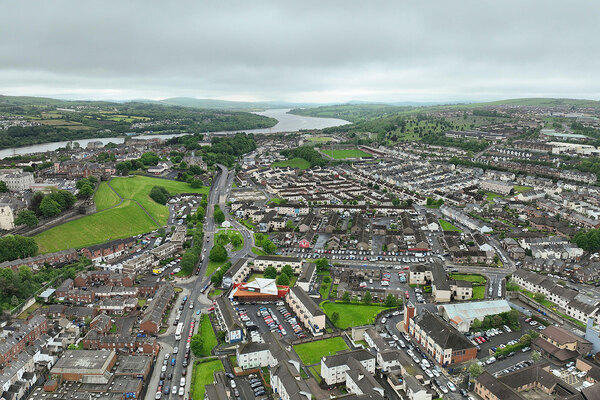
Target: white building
(333, 368)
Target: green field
(138, 188)
(128, 219)
(447, 226)
(478, 292)
(520, 189)
(311, 353)
(123, 221)
(473, 278)
(342, 154)
(299, 163)
(491, 196)
(258, 251)
(352, 314)
(202, 375)
(208, 334)
(320, 139)
(105, 197)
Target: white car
(451, 386)
(444, 389)
(163, 368)
(429, 373)
(435, 373)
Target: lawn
(349, 153)
(478, 292)
(230, 233)
(138, 188)
(324, 289)
(202, 375)
(299, 163)
(105, 197)
(521, 189)
(490, 196)
(474, 278)
(311, 353)
(352, 314)
(208, 334)
(212, 267)
(447, 226)
(126, 220)
(320, 139)
(123, 221)
(258, 252)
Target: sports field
(311, 353)
(349, 153)
(105, 197)
(128, 219)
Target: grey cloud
(300, 51)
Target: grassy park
(346, 153)
(123, 221)
(105, 197)
(352, 314)
(473, 278)
(447, 226)
(202, 375)
(127, 219)
(311, 353)
(299, 163)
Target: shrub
(159, 194)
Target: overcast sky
(308, 51)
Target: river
(287, 123)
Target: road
(192, 288)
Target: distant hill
(227, 105)
(541, 101)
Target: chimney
(409, 312)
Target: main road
(192, 288)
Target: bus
(178, 331)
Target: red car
(407, 267)
(406, 294)
(211, 309)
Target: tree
(197, 345)
(496, 321)
(149, 158)
(367, 298)
(326, 279)
(322, 264)
(159, 194)
(196, 183)
(390, 300)
(49, 207)
(475, 369)
(346, 297)
(217, 253)
(283, 280)
(525, 339)
(14, 301)
(86, 191)
(188, 261)
(476, 324)
(335, 317)
(287, 270)
(270, 273)
(3, 187)
(26, 217)
(36, 201)
(269, 247)
(539, 297)
(535, 356)
(219, 216)
(236, 240)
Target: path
(135, 201)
